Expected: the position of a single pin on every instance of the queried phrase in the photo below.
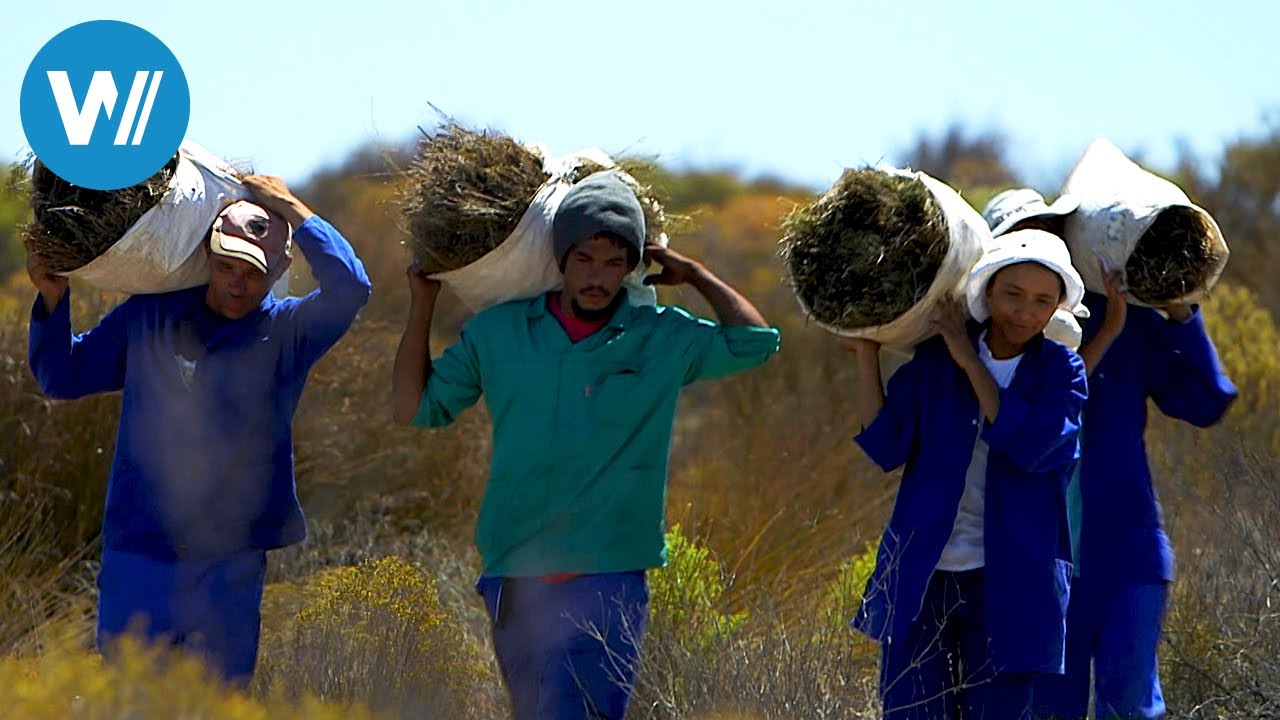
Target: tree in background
(14, 213)
(972, 163)
(1242, 192)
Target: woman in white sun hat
(1025, 246)
(969, 595)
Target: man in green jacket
(581, 387)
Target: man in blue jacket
(1118, 600)
(1126, 561)
(202, 483)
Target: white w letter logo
(80, 121)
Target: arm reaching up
(413, 359)
(731, 308)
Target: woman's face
(1022, 299)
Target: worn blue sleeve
(1186, 377)
(454, 384)
(1040, 432)
(68, 366)
(321, 318)
(715, 350)
(891, 437)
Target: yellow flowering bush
(1249, 344)
(141, 683)
(373, 633)
(1191, 464)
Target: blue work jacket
(1175, 365)
(930, 423)
(203, 464)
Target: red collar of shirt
(577, 328)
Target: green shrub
(844, 596)
(685, 597)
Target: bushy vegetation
(777, 511)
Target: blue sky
(795, 89)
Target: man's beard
(603, 313)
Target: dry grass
(771, 669)
(53, 464)
(1221, 495)
(73, 225)
(867, 251)
(1220, 658)
(43, 589)
(346, 446)
(1172, 258)
(465, 191)
(775, 657)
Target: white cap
(248, 232)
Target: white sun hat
(1022, 246)
(1013, 206)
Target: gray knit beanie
(602, 203)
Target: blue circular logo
(105, 104)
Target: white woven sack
(524, 265)
(162, 251)
(1118, 202)
(969, 236)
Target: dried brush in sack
(1173, 258)
(867, 251)
(72, 225)
(465, 192)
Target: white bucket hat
(1013, 206)
(1024, 246)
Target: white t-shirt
(964, 550)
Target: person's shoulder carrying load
(874, 256)
(479, 208)
(1132, 220)
(145, 238)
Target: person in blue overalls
(1132, 353)
(969, 595)
(202, 480)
